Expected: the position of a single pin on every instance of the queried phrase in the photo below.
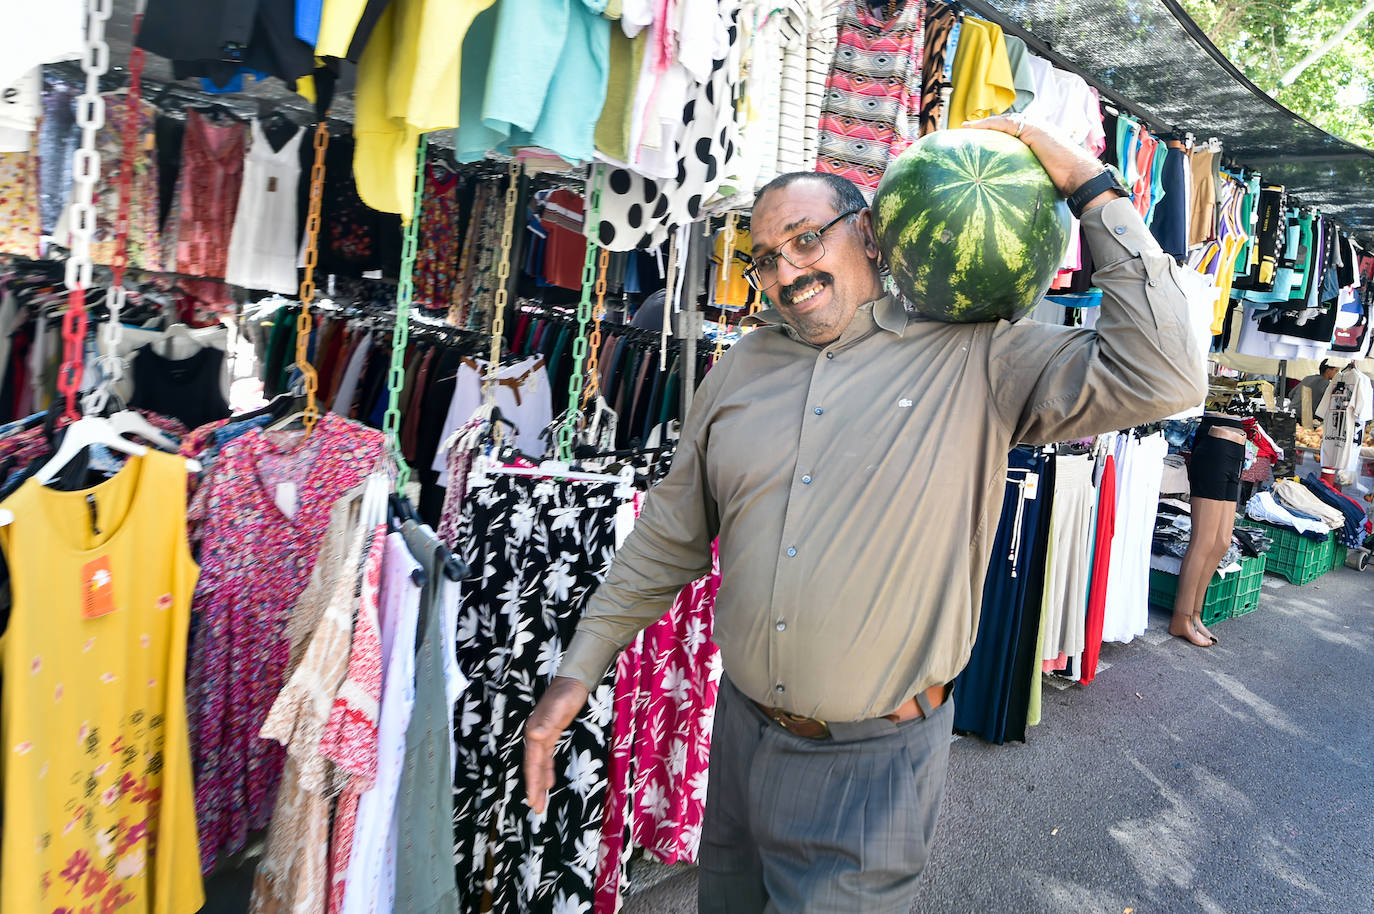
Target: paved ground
(1237, 779)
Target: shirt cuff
(587, 659)
(1116, 232)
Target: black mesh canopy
(1152, 59)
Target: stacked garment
(1357, 526)
(1263, 506)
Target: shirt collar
(888, 313)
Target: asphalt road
(1235, 779)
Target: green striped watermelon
(971, 225)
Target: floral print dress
(145, 248)
(255, 562)
(537, 549)
(665, 705)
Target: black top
(187, 390)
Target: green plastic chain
(400, 334)
(584, 316)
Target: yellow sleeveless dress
(98, 808)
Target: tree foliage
(1264, 38)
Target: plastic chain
(309, 379)
(90, 117)
(498, 308)
(400, 333)
(594, 344)
(591, 230)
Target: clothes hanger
(177, 331)
(129, 422)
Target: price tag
(286, 498)
(1032, 487)
(97, 588)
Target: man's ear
(870, 237)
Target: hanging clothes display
(196, 236)
(638, 211)
(96, 770)
(189, 390)
(991, 695)
(1140, 467)
(262, 243)
(544, 545)
(665, 698)
(1068, 575)
(19, 216)
(436, 261)
(144, 250)
(860, 133)
(259, 515)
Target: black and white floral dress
(537, 549)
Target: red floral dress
(255, 561)
(665, 705)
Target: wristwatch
(1109, 179)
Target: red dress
(206, 197)
(1102, 558)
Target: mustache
(786, 293)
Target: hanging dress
(97, 777)
(196, 236)
(145, 249)
(262, 244)
(256, 558)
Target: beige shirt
(856, 515)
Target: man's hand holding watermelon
(1069, 166)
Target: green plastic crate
(1297, 558)
(1338, 554)
(1234, 595)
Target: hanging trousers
(802, 826)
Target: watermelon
(971, 225)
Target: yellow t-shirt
(983, 84)
(732, 290)
(94, 755)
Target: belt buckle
(784, 719)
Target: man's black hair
(846, 195)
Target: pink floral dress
(665, 705)
(255, 561)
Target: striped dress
(872, 106)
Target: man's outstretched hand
(555, 712)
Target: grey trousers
(800, 826)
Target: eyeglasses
(801, 251)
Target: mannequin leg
(1206, 546)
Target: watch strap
(1104, 181)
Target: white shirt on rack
(522, 395)
(262, 246)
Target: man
(855, 520)
(1317, 384)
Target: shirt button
(1120, 230)
(779, 688)
(818, 410)
(782, 626)
(830, 355)
(806, 480)
(791, 551)
(1152, 283)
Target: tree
(1265, 38)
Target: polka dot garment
(639, 212)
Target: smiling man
(855, 518)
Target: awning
(1151, 58)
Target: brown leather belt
(810, 728)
